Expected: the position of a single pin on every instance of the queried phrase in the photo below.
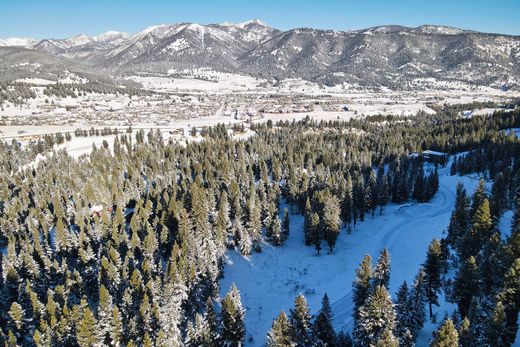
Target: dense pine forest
(125, 246)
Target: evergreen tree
(323, 329)
(513, 242)
(446, 336)
(307, 226)
(331, 221)
(381, 275)
(432, 269)
(362, 284)
(387, 339)
(347, 203)
(300, 319)
(315, 232)
(499, 196)
(285, 225)
(371, 197)
(496, 329)
(376, 317)
(280, 333)
(459, 222)
(404, 314)
(17, 315)
(479, 195)
(87, 334)
(466, 338)
(482, 224)
(212, 336)
(276, 232)
(466, 285)
(419, 189)
(510, 297)
(116, 328)
(233, 329)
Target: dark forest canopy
(126, 246)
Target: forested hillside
(125, 246)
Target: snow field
(270, 281)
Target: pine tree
(387, 339)
(245, 243)
(513, 242)
(372, 193)
(380, 188)
(17, 315)
(315, 232)
(280, 333)
(496, 329)
(465, 337)
(499, 196)
(104, 315)
(492, 265)
(466, 285)
(362, 284)
(432, 269)
(307, 227)
(376, 316)
(285, 225)
(482, 224)
(446, 336)
(323, 330)
(419, 189)
(300, 319)
(477, 318)
(347, 203)
(381, 275)
(233, 329)
(478, 197)
(459, 222)
(87, 334)
(170, 315)
(331, 221)
(276, 232)
(404, 314)
(116, 328)
(510, 297)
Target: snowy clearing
(270, 281)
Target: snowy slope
(16, 42)
(270, 281)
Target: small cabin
(430, 156)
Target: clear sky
(64, 18)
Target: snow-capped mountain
(82, 46)
(17, 42)
(190, 45)
(390, 55)
(393, 56)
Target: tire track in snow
(342, 308)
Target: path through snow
(270, 281)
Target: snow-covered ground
(270, 281)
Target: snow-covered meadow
(270, 281)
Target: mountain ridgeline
(392, 56)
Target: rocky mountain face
(392, 56)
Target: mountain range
(391, 56)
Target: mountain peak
(245, 24)
(80, 39)
(111, 35)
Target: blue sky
(64, 18)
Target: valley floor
(270, 281)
